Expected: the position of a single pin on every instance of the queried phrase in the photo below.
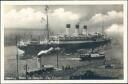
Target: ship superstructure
(66, 41)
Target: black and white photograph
(63, 41)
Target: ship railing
(23, 43)
(46, 42)
(54, 42)
(42, 42)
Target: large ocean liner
(66, 42)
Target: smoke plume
(116, 32)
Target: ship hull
(34, 49)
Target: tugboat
(66, 41)
(92, 56)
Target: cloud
(25, 18)
(116, 32)
(61, 13)
(115, 29)
(110, 16)
(99, 20)
(29, 18)
(59, 18)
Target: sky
(94, 16)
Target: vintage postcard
(63, 41)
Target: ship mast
(103, 28)
(47, 26)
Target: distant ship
(66, 42)
(92, 56)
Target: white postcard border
(124, 3)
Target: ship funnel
(67, 29)
(84, 30)
(77, 30)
